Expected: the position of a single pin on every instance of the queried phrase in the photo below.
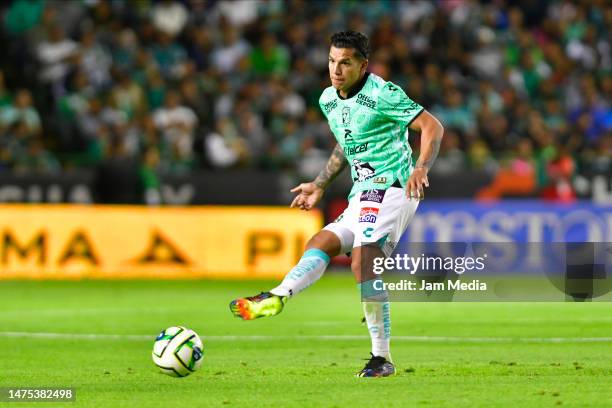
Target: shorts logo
(368, 214)
(375, 196)
(368, 232)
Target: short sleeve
(396, 105)
(325, 107)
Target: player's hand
(308, 195)
(416, 184)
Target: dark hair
(352, 39)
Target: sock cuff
(372, 290)
(316, 253)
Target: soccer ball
(177, 351)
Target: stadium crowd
(523, 91)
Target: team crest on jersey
(346, 116)
(363, 171)
(375, 196)
(368, 214)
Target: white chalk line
(332, 337)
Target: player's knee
(314, 242)
(325, 241)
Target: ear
(364, 65)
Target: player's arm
(309, 194)
(335, 165)
(431, 137)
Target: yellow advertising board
(74, 242)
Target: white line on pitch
(438, 339)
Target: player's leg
(327, 243)
(385, 217)
(376, 310)
(319, 250)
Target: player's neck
(354, 90)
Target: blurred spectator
(150, 180)
(169, 16)
(128, 96)
(270, 58)
(454, 113)
(560, 171)
(224, 148)
(232, 49)
(14, 143)
(21, 111)
(516, 177)
(451, 158)
(170, 56)
(239, 12)
(177, 123)
(125, 50)
(56, 55)
(36, 159)
(94, 60)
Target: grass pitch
(447, 354)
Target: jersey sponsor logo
(347, 135)
(375, 196)
(330, 106)
(366, 101)
(380, 180)
(363, 171)
(368, 214)
(392, 87)
(351, 150)
(346, 116)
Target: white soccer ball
(177, 351)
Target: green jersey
(371, 127)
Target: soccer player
(369, 118)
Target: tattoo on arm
(429, 152)
(335, 165)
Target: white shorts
(374, 216)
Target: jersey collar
(356, 89)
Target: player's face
(345, 68)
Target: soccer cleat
(377, 367)
(262, 305)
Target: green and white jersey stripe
(371, 126)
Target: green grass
(495, 365)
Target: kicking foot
(262, 305)
(377, 367)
